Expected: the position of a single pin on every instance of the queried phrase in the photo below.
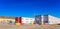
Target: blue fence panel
(38, 19)
(45, 19)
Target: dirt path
(29, 27)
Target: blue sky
(29, 8)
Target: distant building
(53, 20)
(47, 19)
(39, 19)
(27, 20)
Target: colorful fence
(7, 21)
(17, 21)
(45, 19)
(38, 19)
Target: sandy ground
(2, 26)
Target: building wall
(53, 20)
(47, 19)
(27, 20)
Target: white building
(27, 20)
(48, 19)
(53, 20)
